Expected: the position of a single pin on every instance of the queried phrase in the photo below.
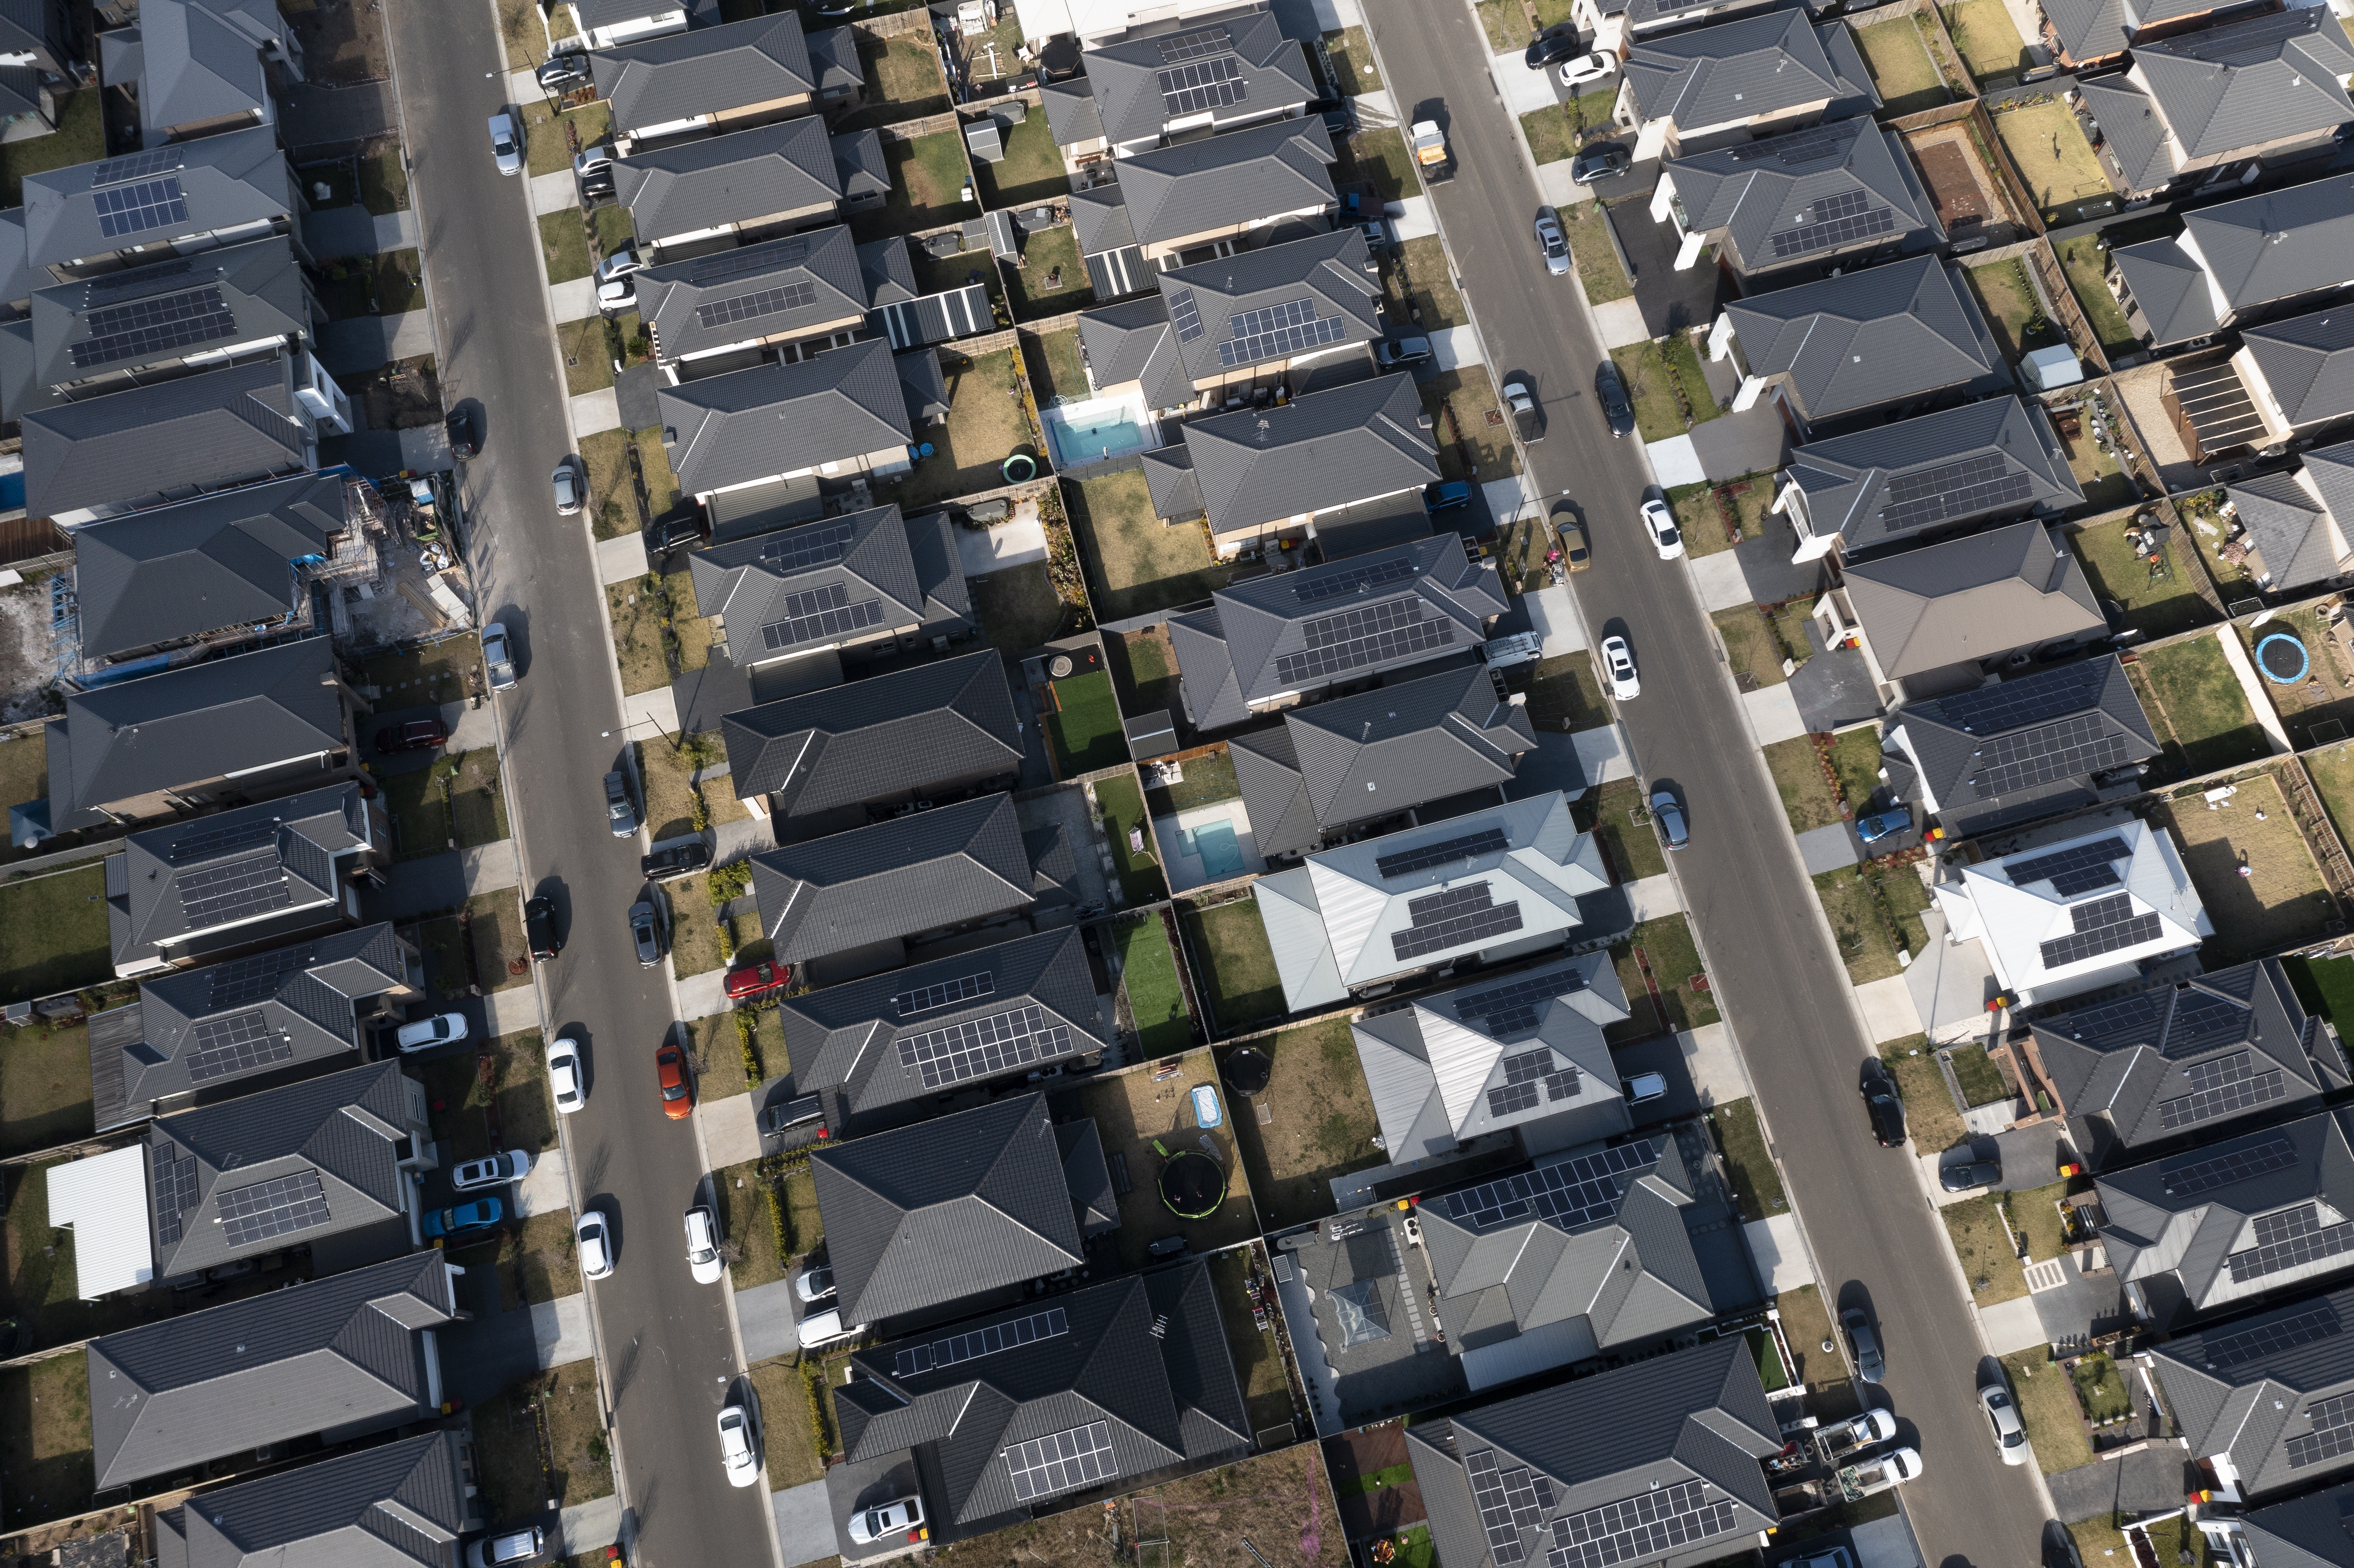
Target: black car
(561, 73)
(1968, 1174)
(1553, 45)
(1603, 161)
(461, 425)
(646, 933)
(1612, 390)
(676, 861)
(597, 187)
(539, 927)
(669, 534)
(1887, 1111)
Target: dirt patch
(342, 40)
(401, 395)
(1953, 184)
(24, 673)
(1232, 1517)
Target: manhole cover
(1060, 667)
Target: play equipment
(2276, 654)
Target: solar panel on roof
(794, 296)
(819, 612)
(2077, 869)
(251, 833)
(137, 281)
(147, 329)
(278, 1207)
(1452, 917)
(1569, 1192)
(2102, 925)
(2048, 753)
(1347, 579)
(237, 1043)
(1185, 314)
(1518, 1092)
(2224, 1096)
(2189, 1176)
(925, 998)
(982, 1047)
(134, 209)
(1371, 635)
(1952, 489)
(1496, 1512)
(174, 1181)
(1833, 221)
(237, 890)
(2290, 1240)
(1195, 85)
(1051, 1324)
(138, 165)
(1564, 1084)
(1648, 1525)
(1508, 1008)
(818, 544)
(2013, 704)
(1179, 47)
(749, 259)
(247, 981)
(1511, 1100)
(1063, 1462)
(1797, 149)
(2332, 1435)
(1270, 330)
(1446, 852)
(2261, 1339)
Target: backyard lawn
(1122, 803)
(1318, 1123)
(1987, 38)
(2193, 697)
(1054, 366)
(1240, 986)
(1155, 999)
(1618, 815)
(903, 79)
(1655, 378)
(1030, 173)
(986, 424)
(1258, 1355)
(2047, 1409)
(2047, 146)
(2325, 696)
(53, 934)
(1666, 947)
(45, 1090)
(2257, 878)
(1083, 723)
(1597, 260)
(45, 1442)
(1140, 566)
(79, 138)
(1930, 1115)
(1869, 911)
(1209, 778)
(24, 767)
(1141, 1118)
(1051, 280)
(2086, 263)
(927, 178)
(1797, 772)
(1981, 1238)
(1898, 57)
(1017, 606)
(2332, 772)
(2008, 298)
(2154, 590)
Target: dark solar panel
(2332, 1435)
(1451, 918)
(253, 833)
(796, 296)
(249, 981)
(1276, 330)
(1051, 1324)
(1523, 1073)
(2287, 1240)
(1488, 1495)
(135, 209)
(2013, 705)
(1509, 1099)
(2080, 868)
(1185, 314)
(1509, 1009)
(2259, 1340)
(173, 1180)
(148, 329)
(2204, 1020)
(2189, 1176)
(820, 544)
(237, 890)
(1803, 148)
(1648, 1526)
(1527, 1067)
(1372, 635)
(1196, 85)
(749, 259)
(2048, 753)
(129, 285)
(819, 612)
(1570, 1192)
(278, 1207)
(237, 1043)
(1561, 1086)
(1179, 47)
(925, 999)
(2103, 926)
(1347, 579)
(1063, 1462)
(138, 165)
(1954, 490)
(2225, 1100)
(1446, 852)
(982, 1047)
(1836, 220)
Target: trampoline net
(1364, 1319)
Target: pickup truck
(1430, 154)
(1890, 1470)
(1526, 417)
(676, 861)
(1850, 1438)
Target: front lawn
(544, 1438)
(641, 613)
(1898, 57)
(537, 1260)
(1155, 999)
(1750, 647)
(1475, 437)
(1083, 724)
(1982, 1239)
(564, 245)
(798, 1441)
(2047, 146)
(1591, 247)
(1855, 758)
(1419, 286)
(1670, 392)
(53, 933)
(746, 1214)
(1565, 694)
(1381, 159)
(1139, 564)
(1797, 772)
(2047, 1408)
(546, 147)
(1618, 815)
(1702, 517)
(1870, 910)
(1241, 986)
(1125, 824)
(1980, 1079)
(2154, 590)
(1352, 54)
(2193, 697)
(1318, 1123)
(459, 1101)
(927, 180)
(1667, 947)
(1930, 1115)
(386, 285)
(1741, 1142)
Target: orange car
(677, 1093)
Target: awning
(103, 1200)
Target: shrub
(753, 1071)
(780, 1215)
(731, 881)
(820, 1443)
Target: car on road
(460, 427)
(506, 1547)
(417, 735)
(1660, 524)
(758, 979)
(1646, 1087)
(1618, 661)
(1610, 388)
(441, 1029)
(1575, 552)
(736, 1454)
(1604, 161)
(1558, 42)
(904, 1516)
(595, 1238)
(1397, 352)
(824, 1327)
(703, 1259)
(1862, 1345)
(1967, 1175)
(565, 485)
(498, 656)
(539, 927)
(675, 860)
(1550, 243)
(463, 1218)
(617, 289)
(1884, 824)
(2009, 1435)
(621, 811)
(506, 144)
(558, 72)
(564, 1079)
(492, 1170)
(1527, 418)
(1887, 1111)
(815, 1283)
(645, 933)
(1668, 813)
(1581, 69)
(670, 1076)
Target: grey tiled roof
(2253, 1395)
(674, 299)
(888, 271)
(223, 559)
(2128, 1072)
(844, 1038)
(1376, 753)
(236, 178)
(398, 1505)
(1846, 479)
(921, 1218)
(225, 426)
(755, 581)
(707, 71)
(2307, 1531)
(833, 52)
(203, 61)
(703, 14)
(1217, 182)
(860, 164)
(1257, 466)
(2093, 29)
(1947, 737)
(2169, 288)
(937, 868)
(1146, 1354)
(1269, 71)
(2224, 90)
(1130, 341)
(1072, 116)
(916, 728)
(258, 284)
(1972, 599)
(2136, 138)
(1327, 270)
(1764, 195)
(2277, 245)
(1877, 335)
(1170, 480)
(2307, 362)
(734, 178)
(2302, 537)
(1749, 68)
(773, 420)
(1232, 653)
(344, 1353)
(18, 276)
(195, 723)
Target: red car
(677, 1093)
(758, 979)
(417, 735)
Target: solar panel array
(982, 1046)
(1952, 489)
(132, 282)
(2204, 1020)
(245, 982)
(134, 209)
(748, 259)
(1561, 1086)
(234, 890)
(1197, 85)
(821, 612)
(820, 544)
(246, 836)
(138, 165)
(1508, 1502)
(1452, 917)
(1570, 1194)
(2103, 926)
(1797, 149)
(1063, 1462)
(2189, 1177)
(2290, 1239)
(2222, 1088)
(278, 1207)
(1523, 1073)
(1048, 1324)
(2075, 870)
(1185, 314)
(145, 329)
(1648, 1525)
(925, 998)
(1349, 579)
(237, 1043)
(2332, 1435)
(1446, 852)
(1179, 47)
(2014, 704)
(172, 1177)
(1508, 1008)
(2048, 753)
(1277, 330)
(1841, 219)
(795, 296)
(1366, 636)
(2263, 1340)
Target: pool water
(1089, 432)
(1221, 856)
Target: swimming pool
(1220, 855)
(1091, 431)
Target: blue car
(1448, 494)
(479, 1215)
(1884, 824)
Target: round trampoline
(1248, 1071)
(1193, 1184)
(2283, 659)
(1019, 467)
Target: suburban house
(1833, 197)
(165, 202)
(1201, 199)
(822, 761)
(403, 1504)
(2078, 915)
(2299, 522)
(207, 888)
(1500, 883)
(1275, 316)
(1930, 476)
(2232, 1220)
(1335, 765)
(2042, 745)
(842, 416)
(1757, 75)
(181, 438)
(929, 871)
(344, 1356)
(1268, 642)
(882, 1049)
(18, 276)
(2302, 1533)
(947, 1217)
(800, 295)
(1104, 1388)
(2221, 105)
(2266, 1401)
(728, 77)
(1103, 21)
(2164, 1067)
(217, 571)
(197, 67)
(2288, 381)
(1901, 334)
(785, 176)
(1659, 1461)
(1179, 80)
(1945, 616)
(2237, 263)
(226, 732)
(43, 34)
(1614, 22)
(608, 23)
(2082, 33)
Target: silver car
(1670, 815)
(1862, 1345)
(493, 1170)
(498, 656)
(567, 482)
(1550, 242)
(506, 144)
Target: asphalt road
(667, 1348)
(1875, 1240)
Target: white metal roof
(2013, 922)
(104, 1200)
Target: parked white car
(1579, 69)
(1660, 524)
(702, 1246)
(616, 288)
(824, 1327)
(1618, 661)
(441, 1029)
(885, 1521)
(506, 144)
(497, 1170)
(564, 1073)
(595, 1239)
(735, 1446)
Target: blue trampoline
(2276, 654)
